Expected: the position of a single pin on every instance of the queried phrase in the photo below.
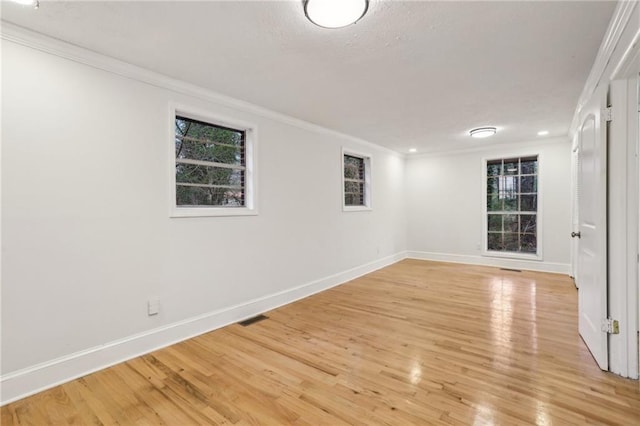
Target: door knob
(575, 234)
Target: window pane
(353, 199)
(507, 186)
(494, 241)
(511, 242)
(511, 204)
(353, 167)
(200, 141)
(529, 243)
(494, 203)
(197, 196)
(511, 167)
(492, 185)
(207, 142)
(529, 166)
(528, 184)
(528, 203)
(510, 222)
(191, 173)
(495, 222)
(494, 168)
(528, 223)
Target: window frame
(367, 206)
(538, 255)
(251, 173)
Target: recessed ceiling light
(482, 132)
(335, 13)
(543, 133)
(413, 150)
(34, 3)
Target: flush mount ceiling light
(413, 150)
(34, 3)
(482, 132)
(335, 13)
(543, 133)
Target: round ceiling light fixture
(335, 13)
(482, 132)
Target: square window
(213, 171)
(356, 178)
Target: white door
(592, 252)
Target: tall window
(356, 178)
(512, 205)
(214, 173)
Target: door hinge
(610, 326)
(608, 114)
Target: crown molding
(28, 38)
(493, 147)
(619, 21)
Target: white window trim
(539, 219)
(251, 157)
(367, 180)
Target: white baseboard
(19, 384)
(528, 265)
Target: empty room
(319, 212)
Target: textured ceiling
(409, 74)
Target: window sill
(508, 255)
(178, 212)
(356, 209)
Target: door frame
(623, 226)
(625, 303)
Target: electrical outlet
(153, 306)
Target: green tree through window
(512, 205)
(210, 164)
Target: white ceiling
(409, 74)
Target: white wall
(445, 204)
(87, 237)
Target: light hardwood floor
(415, 343)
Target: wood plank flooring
(414, 343)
